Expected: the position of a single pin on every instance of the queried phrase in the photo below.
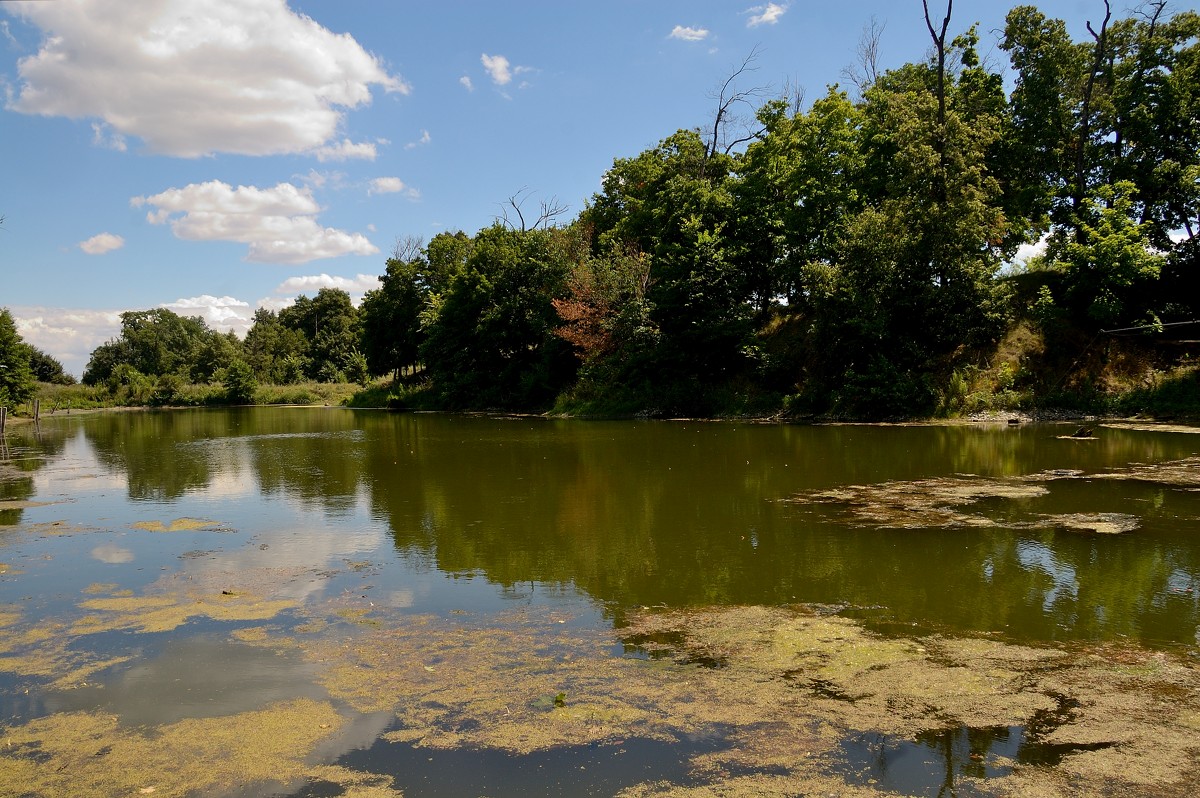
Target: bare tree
(939, 45)
(865, 72)
(548, 210)
(793, 94)
(1085, 112)
(729, 100)
(407, 248)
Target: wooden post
(37, 409)
(3, 418)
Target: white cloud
(765, 15)
(112, 554)
(355, 286)
(689, 34)
(250, 77)
(498, 67)
(386, 185)
(1027, 251)
(344, 150)
(221, 313)
(466, 83)
(68, 335)
(425, 139)
(276, 304)
(279, 224)
(101, 243)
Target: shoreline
(1018, 418)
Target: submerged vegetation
(782, 690)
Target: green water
(425, 513)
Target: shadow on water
(948, 762)
(602, 768)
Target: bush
(240, 383)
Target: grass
(60, 398)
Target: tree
(391, 315)
(490, 335)
(1108, 257)
(674, 204)
(48, 369)
(273, 351)
(153, 342)
(17, 382)
(240, 383)
(329, 324)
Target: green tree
(17, 383)
(240, 383)
(329, 324)
(153, 342)
(674, 204)
(273, 351)
(391, 315)
(1108, 259)
(48, 369)
(490, 335)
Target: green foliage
(240, 383)
(391, 316)
(157, 342)
(1107, 257)
(47, 369)
(275, 352)
(17, 383)
(166, 390)
(490, 340)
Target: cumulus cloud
(345, 150)
(101, 243)
(279, 224)
(355, 286)
(765, 15)
(223, 313)
(689, 34)
(250, 77)
(498, 67)
(467, 83)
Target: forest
(848, 256)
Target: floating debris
(182, 525)
(925, 502)
(1098, 523)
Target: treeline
(22, 365)
(840, 258)
(158, 352)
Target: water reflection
(685, 514)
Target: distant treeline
(842, 256)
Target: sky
(219, 156)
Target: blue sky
(220, 156)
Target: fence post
(3, 418)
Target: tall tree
(490, 335)
(391, 315)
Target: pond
(322, 602)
